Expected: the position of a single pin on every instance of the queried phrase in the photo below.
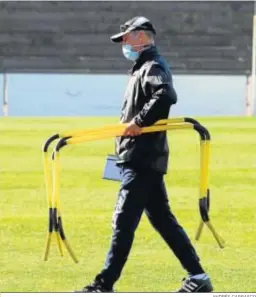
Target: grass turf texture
(88, 202)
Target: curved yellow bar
(69, 249)
(119, 131)
(47, 246)
(204, 167)
(59, 243)
(75, 133)
(204, 186)
(48, 181)
(56, 180)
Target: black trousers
(144, 190)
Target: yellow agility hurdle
(80, 136)
(55, 221)
(204, 200)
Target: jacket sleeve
(157, 85)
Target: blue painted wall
(73, 95)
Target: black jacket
(148, 98)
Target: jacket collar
(146, 55)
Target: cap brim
(118, 37)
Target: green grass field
(88, 202)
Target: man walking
(143, 161)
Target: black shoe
(95, 287)
(192, 285)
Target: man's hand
(132, 129)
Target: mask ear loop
(144, 46)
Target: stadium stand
(195, 37)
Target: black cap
(136, 23)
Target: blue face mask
(129, 52)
